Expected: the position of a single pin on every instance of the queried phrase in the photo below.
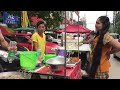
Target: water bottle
(38, 53)
(11, 53)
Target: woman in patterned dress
(102, 48)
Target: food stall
(64, 66)
(54, 67)
(72, 71)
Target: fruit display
(74, 59)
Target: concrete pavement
(115, 68)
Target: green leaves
(52, 18)
(110, 29)
(117, 21)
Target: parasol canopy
(25, 19)
(74, 29)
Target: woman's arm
(116, 46)
(114, 50)
(3, 42)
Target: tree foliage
(117, 23)
(110, 29)
(52, 18)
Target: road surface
(115, 68)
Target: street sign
(10, 19)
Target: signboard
(77, 12)
(10, 19)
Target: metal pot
(56, 64)
(61, 58)
(56, 68)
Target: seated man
(6, 66)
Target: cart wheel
(35, 76)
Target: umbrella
(74, 29)
(25, 20)
(26, 29)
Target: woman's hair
(40, 22)
(92, 33)
(98, 49)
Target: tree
(52, 18)
(110, 29)
(117, 23)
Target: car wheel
(22, 48)
(26, 49)
(114, 56)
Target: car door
(23, 41)
(118, 54)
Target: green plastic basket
(28, 60)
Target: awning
(26, 29)
(74, 29)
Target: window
(21, 39)
(12, 38)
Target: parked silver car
(52, 39)
(116, 36)
(117, 55)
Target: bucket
(28, 60)
(61, 53)
(48, 56)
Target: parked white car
(116, 36)
(52, 39)
(117, 55)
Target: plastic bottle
(11, 53)
(38, 53)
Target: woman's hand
(12, 46)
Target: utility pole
(106, 13)
(113, 30)
(114, 20)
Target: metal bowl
(56, 64)
(56, 68)
(61, 58)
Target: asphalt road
(115, 68)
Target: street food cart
(71, 73)
(70, 69)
